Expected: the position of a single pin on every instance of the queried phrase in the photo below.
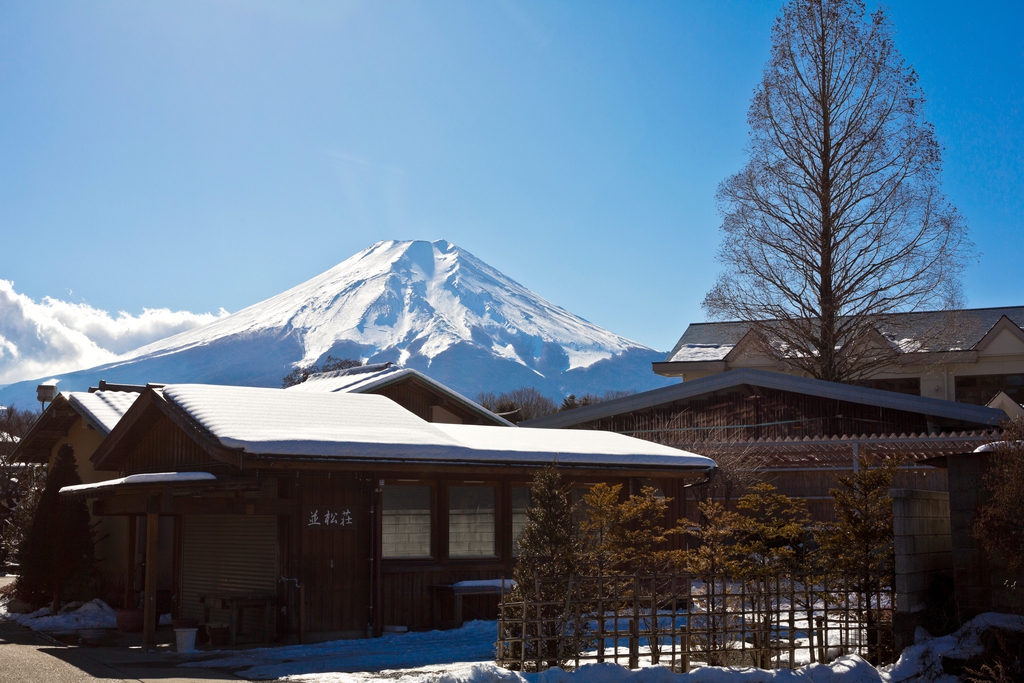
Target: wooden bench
(462, 588)
(235, 604)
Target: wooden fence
(681, 621)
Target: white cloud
(54, 336)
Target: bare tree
(517, 405)
(1000, 524)
(838, 220)
(738, 470)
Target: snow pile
(73, 617)
(93, 614)
(922, 662)
(504, 584)
(850, 669)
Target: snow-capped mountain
(427, 305)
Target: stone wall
(924, 559)
(923, 544)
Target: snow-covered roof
(998, 445)
(960, 330)
(138, 479)
(102, 409)
(280, 422)
(276, 422)
(366, 378)
(569, 446)
(352, 380)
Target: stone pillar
(924, 550)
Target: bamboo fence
(683, 621)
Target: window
(520, 501)
(471, 521)
(406, 521)
(980, 389)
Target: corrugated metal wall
(227, 554)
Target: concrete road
(29, 658)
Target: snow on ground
(850, 669)
(93, 614)
(922, 663)
(466, 656)
(474, 642)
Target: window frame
(499, 516)
(433, 542)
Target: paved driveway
(28, 657)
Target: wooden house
(797, 433)
(409, 388)
(329, 514)
(82, 420)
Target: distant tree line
(526, 403)
(301, 374)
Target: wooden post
(302, 613)
(635, 626)
(149, 616)
(600, 618)
(129, 573)
(378, 546)
(822, 643)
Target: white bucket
(186, 639)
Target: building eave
(732, 379)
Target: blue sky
(199, 155)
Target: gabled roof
(704, 342)
(368, 378)
(1004, 324)
(1003, 402)
(733, 379)
(101, 410)
(262, 425)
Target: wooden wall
(409, 600)
(418, 399)
(767, 414)
(327, 545)
(338, 597)
(165, 447)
